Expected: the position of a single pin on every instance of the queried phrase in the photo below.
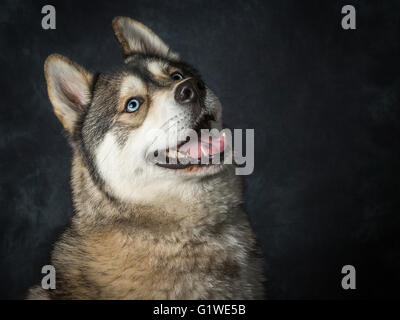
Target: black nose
(187, 92)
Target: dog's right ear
(69, 89)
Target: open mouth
(199, 152)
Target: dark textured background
(324, 103)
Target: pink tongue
(213, 146)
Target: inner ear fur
(69, 89)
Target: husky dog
(144, 229)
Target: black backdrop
(324, 103)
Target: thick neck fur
(188, 242)
(191, 207)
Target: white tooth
(180, 155)
(170, 154)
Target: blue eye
(133, 105)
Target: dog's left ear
(69, 89)
(135, 37)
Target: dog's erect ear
(135, 37)
(69, 88)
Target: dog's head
(135, 126)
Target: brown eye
(176, 76)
